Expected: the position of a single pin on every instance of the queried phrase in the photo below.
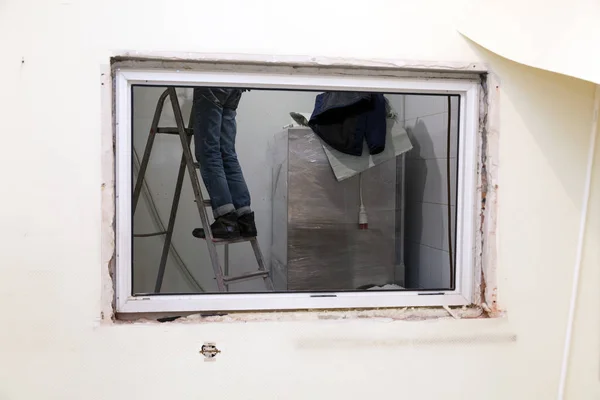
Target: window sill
(232, 302)
(385, 315)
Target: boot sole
(228, 237)
(201, 235)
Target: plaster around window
(107, 193)
(384, 315)
(486, 251)
(233, 61)
(484, 299)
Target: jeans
(214, 137)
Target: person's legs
(208, 115)
(240, 195)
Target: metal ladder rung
(229, 241)
(206, 203)
(245, 277)
(149, 234)
(232, 241)
(190, 132)
(174, 131)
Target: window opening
(354, 197)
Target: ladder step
(228, 241)
(206, 203)
(245, 277)
(232, 241)
(149, 234)
(199, 233)
(174, 131)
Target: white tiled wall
(426, 229)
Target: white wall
(54, 342)
(260, 115)
(426, 231)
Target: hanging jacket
(344, 120)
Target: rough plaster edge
(486, 242)
(485, 249)
(303, 61)
(386, 315)
(107, 189)
(478, 278)
(283, 69)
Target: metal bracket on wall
(209, 351)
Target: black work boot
(247, 225)
(224, 227)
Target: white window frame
(467, 205)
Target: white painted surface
(556, 35)
(564, 371)
(54, 344)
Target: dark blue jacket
(345, 119)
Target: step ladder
(187, 162)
